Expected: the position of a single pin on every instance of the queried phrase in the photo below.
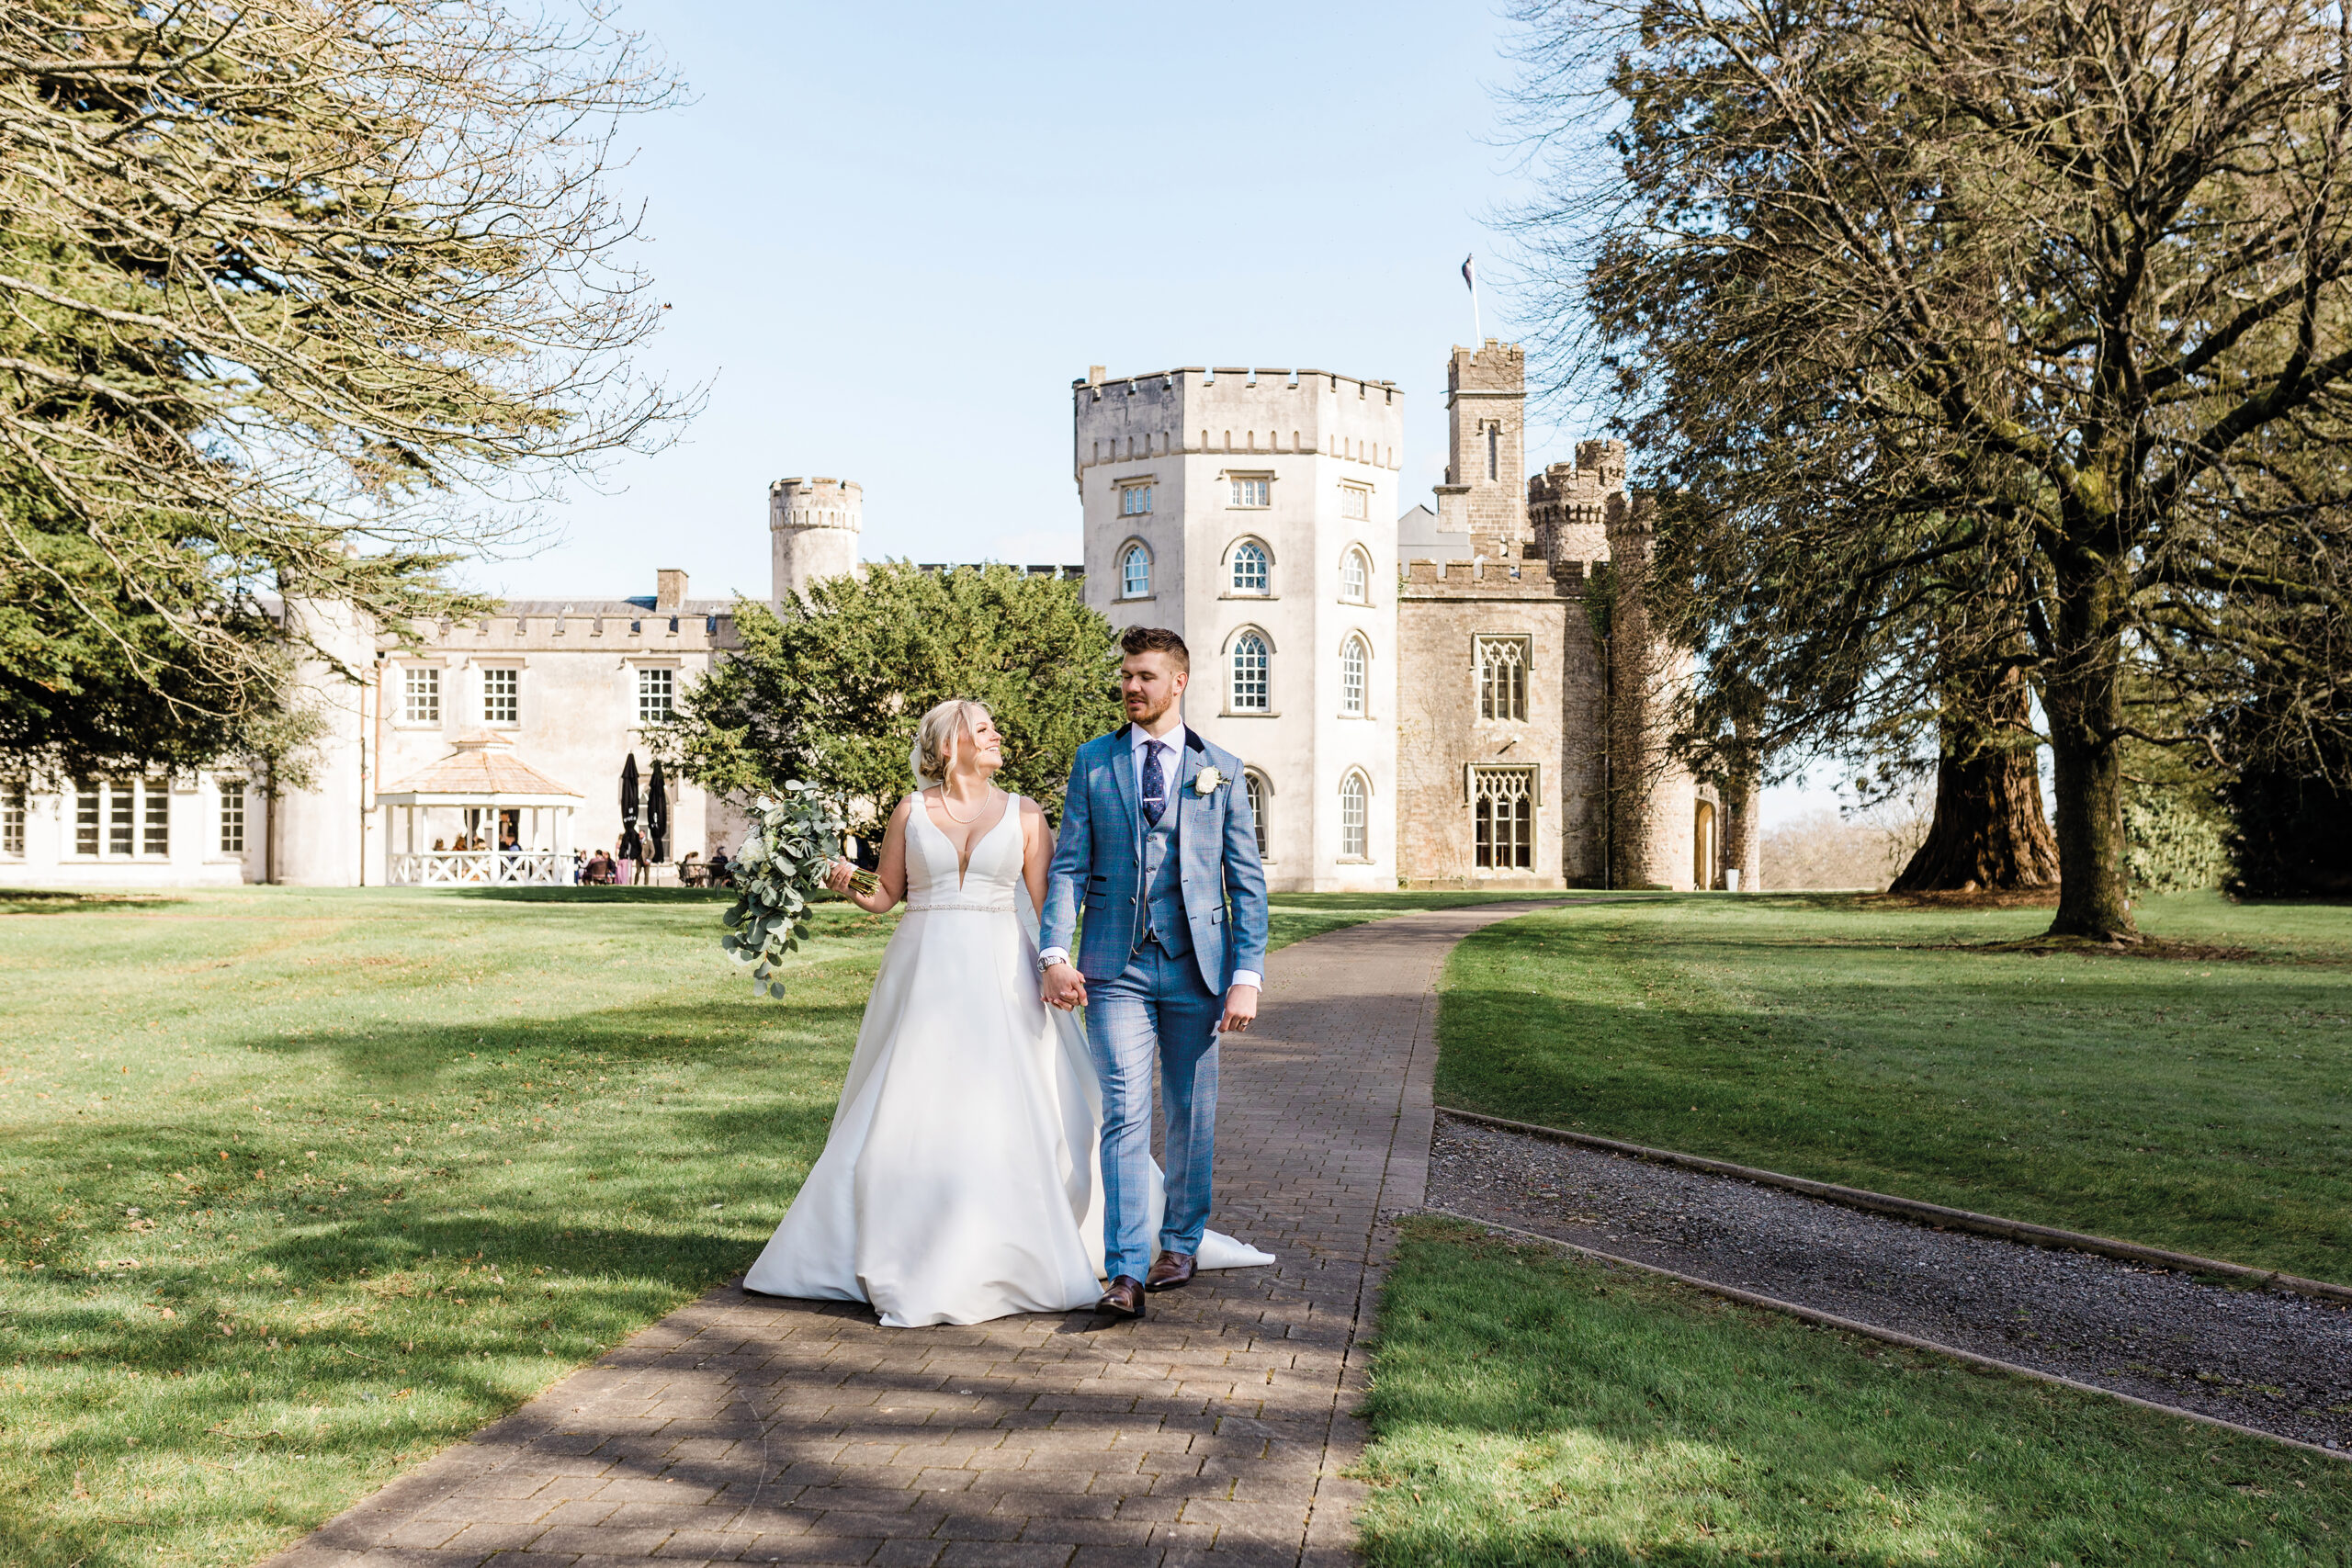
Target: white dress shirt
(1171, 763)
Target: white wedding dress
(961, 1180)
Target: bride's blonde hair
(938, 738)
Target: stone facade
(1253, 512)
(1427, 699)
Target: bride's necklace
(960, 821)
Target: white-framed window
(1355, 818)
(501, 696)
(1134, 501)
(1355, 501)
(1135, 572)
(1251, 689)
(420, 695)
(1502, 805)
(123, 819)
(232, 816)
(1253, 785)
(1253, 570)
(1355, 663)
(1355, 576)
(1253, 490)
(657, 695)
(1502, 677)
(12, 818)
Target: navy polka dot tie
(1155, 784)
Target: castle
(1458, 697)
(1462, 695)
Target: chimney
(669, 589)
(1094, 375)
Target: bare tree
(312, 297)
(2032, 314)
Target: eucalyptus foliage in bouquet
(793, 843)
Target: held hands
(1065, 988)
(1241, 1009)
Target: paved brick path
(742, 1428)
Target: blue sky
(891, 238)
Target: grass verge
(2199, 1104)
(1533, 1408)
(297, 1187)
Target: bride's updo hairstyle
(938, 738)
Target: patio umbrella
(657, 817)
(628, 807)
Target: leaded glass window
(1252, 687)
(1355, 816)
(1502, 677)
(1502, 805)
(1252, 571)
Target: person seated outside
(720, 870)
(439, 846)
(690, 869)
(507, 842)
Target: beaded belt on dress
(978, 906)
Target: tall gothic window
(1355, 816)
(1355, 577)
(1252, 571)
(1494, 451)
(1252, 689)
(1255, 784)
(1354, 659)
(1502, 677)
(1134, 573)
(1502, 804)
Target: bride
(961, 1179)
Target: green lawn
(2200, 1102)
(1531, 1409)
(299, 1187)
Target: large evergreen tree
(1979, 332)
(309, 298)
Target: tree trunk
(1988, 833)
(2084, 696)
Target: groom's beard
(1147, 716)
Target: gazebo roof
(482, 769)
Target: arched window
(1255, 785)
(1355, 577)
(1355, 816)
(1134, 573)
(1354, 659)
(1251, 570)
(1253, 688)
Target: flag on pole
(1470, 273)
(1470, 279)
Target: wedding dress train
(961, 1179)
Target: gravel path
(2262, 1359)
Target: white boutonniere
(1204, 783)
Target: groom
(1157, 845)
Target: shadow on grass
(589, 895)
(1533, 1408)
(77, 901)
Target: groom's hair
(1156, 639)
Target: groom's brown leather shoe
(1169, 1272)
(1124, 1299)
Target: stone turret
(1485, 400)
(813, 524)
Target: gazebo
(485, 796)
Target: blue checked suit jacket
(1098, 863)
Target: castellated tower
(1486, 399)
(813, 525)
(1254, 512)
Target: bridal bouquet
(793, 843)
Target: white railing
(468, 868)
